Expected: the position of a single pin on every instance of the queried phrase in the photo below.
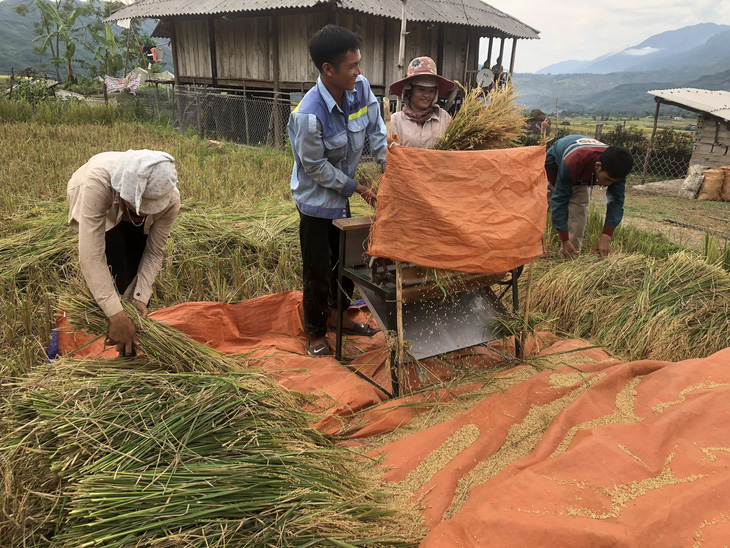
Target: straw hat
(422, 66)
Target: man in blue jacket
(574, 165)
(327, 132)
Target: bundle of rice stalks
(39, 238)
(115, 453)
(640, 307)
(162, 344)
(369, 174)
(484, 121)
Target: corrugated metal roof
(473, 13)
(716, 103)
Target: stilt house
(262, 44)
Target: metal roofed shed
(712, 133)
(469, 12)
(714, 103)
(262, 44)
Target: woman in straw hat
(123, 205)
(421, 123)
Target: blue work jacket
(328, 142)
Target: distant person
(421, 123)
(327, 132)
(574, 164)
(123, 205)
(498, 71)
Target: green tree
(115, 48)
(65, 32)
(43, 27)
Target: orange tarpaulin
(637, 455)
(473, 211)
(578, 449)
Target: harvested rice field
(609, 430)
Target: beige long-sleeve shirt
(415, 135)
(94, 208)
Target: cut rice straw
(484, 122)
(638, 306)
(161, 343)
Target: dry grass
(38, 160)
(640, 307)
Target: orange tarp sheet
(580, 450)
(473, 211)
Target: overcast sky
(583, 30)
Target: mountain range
(696, 56)
(16, 33)
(705, 44)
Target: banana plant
(66, 31)
(108, 48)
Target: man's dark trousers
(320, 241)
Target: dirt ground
(656, 207)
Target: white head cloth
(145, 178)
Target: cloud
(641, 51)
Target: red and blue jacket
(572, 161)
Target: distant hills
(702, 44)
(16, 33)
(695, 56)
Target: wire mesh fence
(233, 116)
(659, 167)
(255, 119)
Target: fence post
(599, 131)
(277, 122)
(12, 81)
(201, 130)
(245, 116)
(651, 142)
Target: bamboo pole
(399, 319)
(402, 47)
(398, 272)
(386, 118)
(526, 325)
(466, 60)
(512, 59)
(126, 53)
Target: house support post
(651, 142)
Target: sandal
(321, 350)
(361, 329)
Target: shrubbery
(42, 111)
(28, 91)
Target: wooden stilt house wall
(267, 49)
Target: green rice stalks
(485, 122)
(513, 325)
(40, 238)
(163, 344)
(118, 453)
